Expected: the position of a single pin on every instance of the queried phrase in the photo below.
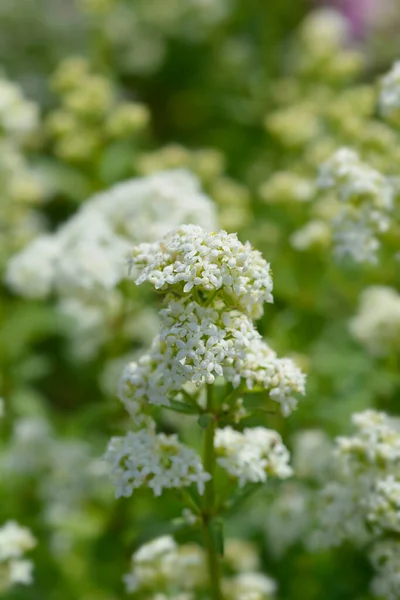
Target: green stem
(213, 560)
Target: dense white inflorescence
(212, 286)
(366, 203)
(250, 456)
(199, 343)
(389, 96)
(14, 542)
(190, 257)
(88, 254)
(377, 323)
(157, 461)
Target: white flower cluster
(190, 257)
(14, 542)
(213, 285)
(366, 203)
(161, 566)
(385, 558)
(88, 254)
(362, 502)
(162, 570)
(377, 323)
(389, 96)
(157, 461)
(250, 456)
(199, 343)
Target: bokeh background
(250, 97)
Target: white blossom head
(157, 461)
(192, 260)
(250, 456)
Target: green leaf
(183, 407)
(204, 420)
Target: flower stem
(213, 560)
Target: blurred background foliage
(205, 78)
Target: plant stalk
(213, 558)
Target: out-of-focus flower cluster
(22, 184)
(362, 501)
(91, 117)
(163, 569)
(14, 568)
(330, 120)
(85, 260)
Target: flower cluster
(367, 200)
(163, 569)
(88, 253)
(321, 111)
(362, 501)
(14, 542)
(85, 259)
(214, 286)
(377, 323)
(250, 456)
(23, 186)
(157, 461)
(189, 257)
(91, 116)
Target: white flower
(21, 572)
(377, 324)
(199, 343)
(146, 208)
(384, 505)
(14, 540)
(261, 367)
(89, 252)
(252, 455)
(367, 201)
(157, 461)
(190, 257)
(362, 501)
